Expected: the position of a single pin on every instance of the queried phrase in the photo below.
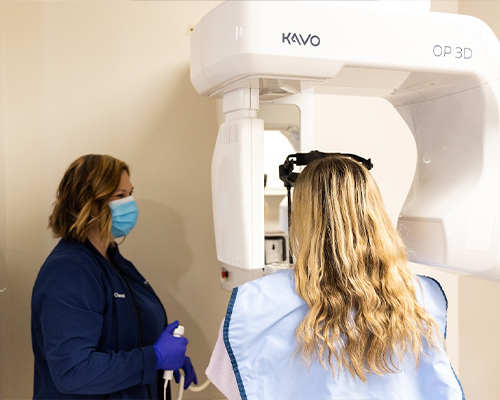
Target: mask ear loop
(121, 241)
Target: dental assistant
(98, 328)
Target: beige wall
(4, 341)
(447, 6)
(486, 10)
(479, 299)
(108, 77)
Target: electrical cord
(167, 375)
(191, 388)
(181, 388)
(201, 387)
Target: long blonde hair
(352, 272)
(83, 195)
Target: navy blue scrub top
(147, 304)
(93, 327)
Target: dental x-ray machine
(441, 73)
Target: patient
(350, 320)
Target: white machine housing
(441, 73)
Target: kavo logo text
(290, 38)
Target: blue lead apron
(259, 335)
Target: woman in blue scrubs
(98, 328)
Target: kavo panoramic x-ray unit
(441, 73)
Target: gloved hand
(170, 351)
(189, 374)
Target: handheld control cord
(192, 388)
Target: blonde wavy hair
(83, 195)
(352, 272)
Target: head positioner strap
(289, 177)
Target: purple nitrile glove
(189, 374)
(170, 351)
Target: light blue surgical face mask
(124, 213)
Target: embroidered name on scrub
(120, 295)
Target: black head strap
(286, 169)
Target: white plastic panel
(312, 41)
(238, 193)
(421, 5)
(451, 217)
